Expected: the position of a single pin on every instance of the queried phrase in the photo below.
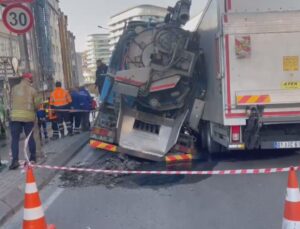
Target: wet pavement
(94, 201)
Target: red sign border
(15, 1)
(7, 25)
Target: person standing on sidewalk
(25, 102)
(86, 106)
(60, 101)
(76, 114)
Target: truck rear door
(262, 56)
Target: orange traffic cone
(291, 219)
(34, 217)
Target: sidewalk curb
(12, 202)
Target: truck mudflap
(179, 158)
(171, 158)
(146, 135)
(103, 145)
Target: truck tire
(203, 137)
(212, 146)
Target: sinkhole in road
(121, 162)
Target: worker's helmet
(58, 84)
(27, 75)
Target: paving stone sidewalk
(12, 182)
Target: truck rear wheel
(212, 146)
(203, 136)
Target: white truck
(251, 51)
(232, 84)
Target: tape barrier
(72, 110)
(191, 173)
(136, 172)
(25, 147)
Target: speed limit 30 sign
(18, 18)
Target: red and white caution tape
(191, 173)
(72, 110)
(199, 173)
(26, 142)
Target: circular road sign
(18, 18)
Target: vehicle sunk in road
(233, 83)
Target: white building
(9, 42)
(80, 69)
(88, 75)
(97, 48)
(53, 10)
(138, 13)
(10, 46)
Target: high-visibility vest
(60, 97)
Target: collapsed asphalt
(123, 162)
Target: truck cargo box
(252, 53)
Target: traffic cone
(291, 219)
(34, 217)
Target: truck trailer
(232, 84)
(251, 51)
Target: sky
(85, 15)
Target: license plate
(287, 145)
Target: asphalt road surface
(169, 202)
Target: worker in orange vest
(60, 101)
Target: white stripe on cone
(287, 224)
(293, 195)
(31, 188)
(33, 213)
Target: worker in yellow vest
(25, 102)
